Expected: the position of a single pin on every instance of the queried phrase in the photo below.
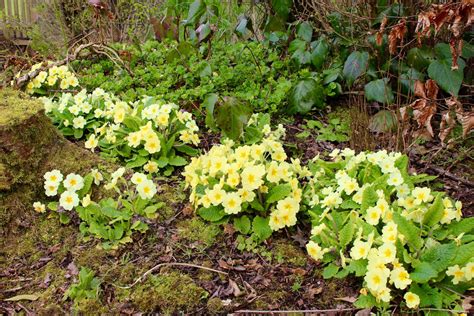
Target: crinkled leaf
(212, 213)
(278, 192)
(242, 224)
(261, 228)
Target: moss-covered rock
(168, 293)
(29, 146)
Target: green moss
(216, 306)
(286, 252)
(91, 307)
(172, 197)
(16, 106)
(270, 298)
(168, 293)
(196, 231)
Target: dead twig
(23, 80)
(450, 175)
(190, 265)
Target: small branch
(450, 175)
(169, 264)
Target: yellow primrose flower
(134, 139)
(400, 278)
(376, 279)
(233, 179)
(69, 200)
(457, 273)
(153, 145)
(146, 189)
(53, 177)
(50, 189)
(350, 185)
(469, 271)
(411, 299)
(246, 195)
(315, 251)
(162, 120)
(39, 207)
(373, 215)
(383, 295)
(332, 200)
(232, 203)
(387, 252)
(119, 115)
(252, 177)
(151, 167)
(359, 250)
(64, 84)
(275, 222)
(216, 195)
(91, 143)
(273, 172)
(97, 176)
(73, 182)
(86, 200)
(422, 195)
(79, 122)
(138, 178)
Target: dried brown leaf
(420, 89)
(446, 126)
(467, 123)
(423, 111)
(379, 35)
(431, 89)
(396, 34)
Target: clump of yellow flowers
(233, 180)
(110, 219)
(54, 78)
(371, 218)
(149, 133)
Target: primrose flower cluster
(369, 216)
(248, 178)
(53, 78)
(147, 133)
(110, 219)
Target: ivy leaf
(297, 45)
(305, 95)
(407, 80)
(242, 224)
(409, 230)
(304, 31)
(380, 91)
(261, 228)
(449, 80)
(278, 192)
(355, 66)
(212, 214)
(319, 53)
